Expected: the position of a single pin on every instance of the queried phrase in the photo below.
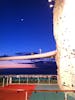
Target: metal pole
(19, 79)
(7, 80)
(26, 96)
(38, 80)
(27, 80)
(49, 79)
(10, 80)
(65, 97)
(3, 81)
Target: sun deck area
(32, 87)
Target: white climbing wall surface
(64, 33)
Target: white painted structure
(64, 30)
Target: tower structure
(64, 30)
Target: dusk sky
(25, 26)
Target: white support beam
(43, 55)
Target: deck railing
(28, 79)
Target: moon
(22, 19)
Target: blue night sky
(25, 26)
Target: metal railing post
(7, 80)
(26, 95)
(66, 97)
(10, 80)
(3, 82)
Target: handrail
(35, 56)
(23, 90)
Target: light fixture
(51, 5)
(49, 0)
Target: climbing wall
(64, 33)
